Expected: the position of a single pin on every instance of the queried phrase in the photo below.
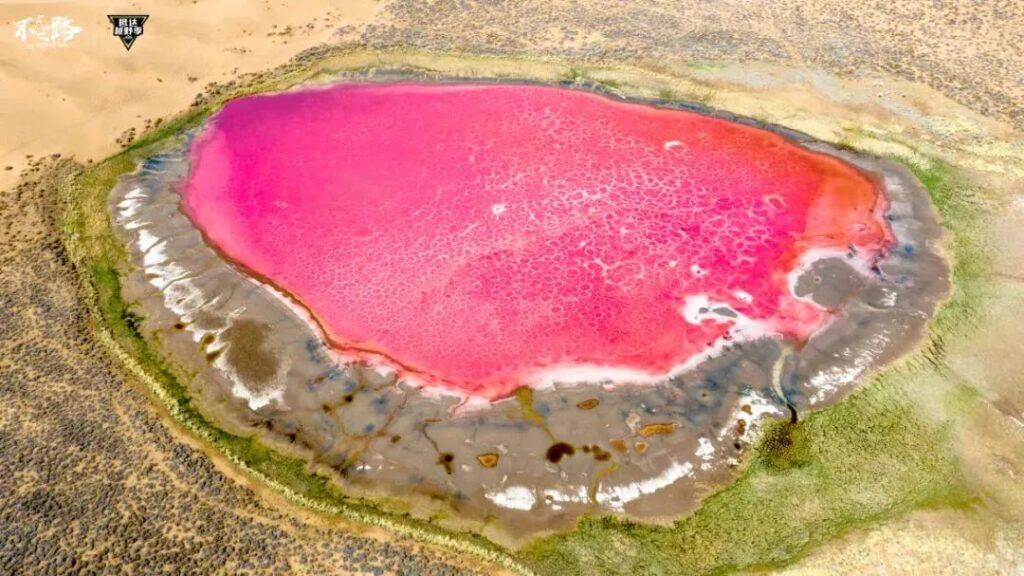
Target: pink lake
(485, 237)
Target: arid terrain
(97, 477)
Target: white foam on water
(609, 496)
(615, 497)
(835, 378)
(257, 401)
(705, 449)
(513, 498)
(146, 240)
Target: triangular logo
(128, 27)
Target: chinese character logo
(128, 27)
(55, 32)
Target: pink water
(480, 235)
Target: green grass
(960, 209)
(703, 65)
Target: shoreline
(264, 412)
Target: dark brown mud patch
(247, 351)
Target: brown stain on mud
(488, 460)
(446, 460)
(662, 428)
(600, 454)
(525, 397)
(559, 450)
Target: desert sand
(78, 99)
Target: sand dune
(79, 98)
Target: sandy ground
(947, 542)
(62, 445)
(79, 98)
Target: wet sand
(532, 463)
